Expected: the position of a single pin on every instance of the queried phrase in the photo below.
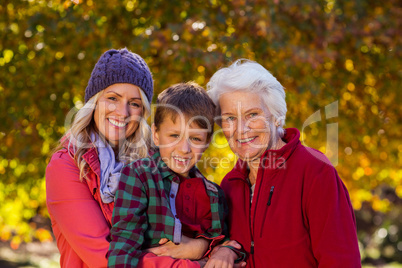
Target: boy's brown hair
(188, 99)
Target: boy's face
(181, 144)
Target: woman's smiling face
(118, 112)
(245, 124)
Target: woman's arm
(76, 216)
(189, 248)
(332, 223)
(150, 260)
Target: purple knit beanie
(120, 66)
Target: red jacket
(301, 215)
(80, 220)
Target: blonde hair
(77, 139)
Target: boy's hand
(189, 248)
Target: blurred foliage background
(325, 52)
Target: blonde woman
(83, 174)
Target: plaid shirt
(143, 210)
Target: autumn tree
(334, 57)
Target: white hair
(249, 76)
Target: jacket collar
(90, 156)
(271, 160)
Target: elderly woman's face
(118, 112)
(245, 124)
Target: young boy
(165, 195)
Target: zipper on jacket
(251, 233)
(271, 192)
(252, 218)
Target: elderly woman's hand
(189, 248)
(224, 257)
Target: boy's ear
(155, 136)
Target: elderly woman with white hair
(288, 206)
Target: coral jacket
(300, 215)
(80, 220)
